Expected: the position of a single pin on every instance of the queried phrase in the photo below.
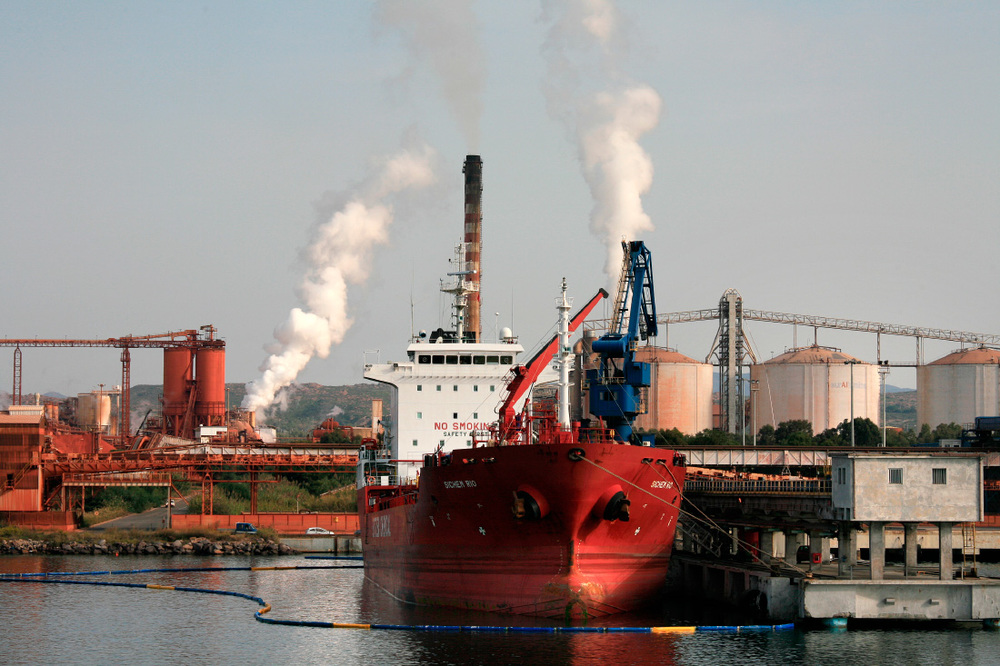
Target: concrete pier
(790, 595)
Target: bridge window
(424, 358)
(506, 360)
(414, 442)
(420, 387)
(465, 359)
(492, 360)
(437, 359)
(455, 387)
(478, 360)
(451, 359)
(895, 475)
(438, 387)
(939, 475)
(420, 415)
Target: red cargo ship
(538, 515)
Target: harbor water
(44, 623)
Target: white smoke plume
(444, 34)
(605, 114)
(338, 256)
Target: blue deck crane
(616, 384)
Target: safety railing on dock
(758, 486)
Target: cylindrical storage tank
(93, 409)
(84, 409)
(210, 374)
(959, 387)
(679, 394)
(814, 384)
(178, 372)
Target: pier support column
(766, 546)
(909, 549)
(818, 545)
(847, 549)
(944, 546)
(791, 547)
(876, 548)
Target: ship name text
(461, 483)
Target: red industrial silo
(178, 371)
(210, 375)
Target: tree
(765, 436)
(925, 436)
(947, 431)
(829, 437)
(797, 432)
(866, 433)
(670, 439)
(709, 437)
(900, 438)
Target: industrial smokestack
(473, 170)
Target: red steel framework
(194, 340)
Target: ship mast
(565, 357)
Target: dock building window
(438, 387)
(420, 415)
(455, 387)
(939, 475)
(895, 475)
(414, 442)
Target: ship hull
(456, 541)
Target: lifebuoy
(371, 480)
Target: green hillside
(308, 405)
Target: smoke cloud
(605, 114)
(338, 256)
(444, 34)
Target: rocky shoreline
(192, 546)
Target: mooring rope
(707, 520)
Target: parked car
(245, 528)
(318, 530)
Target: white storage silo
(959, 387)
(815, 384)
(680, 392)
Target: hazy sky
(169, 165)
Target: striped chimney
(473, 170)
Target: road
(153, 519)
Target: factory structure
(732, 390)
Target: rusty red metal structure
(188, 395)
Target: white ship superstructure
(442, 394)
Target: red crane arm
(525, 375)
